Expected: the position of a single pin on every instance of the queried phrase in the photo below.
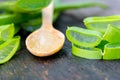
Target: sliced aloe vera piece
(6, 32)
(8, 49)
(89, 53)
(111, 51)
(83, 37)
(112, 34)
(101, 23)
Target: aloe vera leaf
(59, 6)
(112, 34)
(17, 28)
(24, 5)
(34, 24)
(30, 5)
(6, 5)
(111, 51)
(100, 23)
(30, 22)
(17, 18)
(88, 53)
(9, 18)
(83, 37)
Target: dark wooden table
(63, 65)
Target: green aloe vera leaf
(6, 32)
(7, 5)
(8, 49)
(9, 18)
(17, 28)
(34, 24)
(111, 51)
(17, 18)
(101, 23)
(88, 53)
(30, 22)
(83, 37)
(102, 44)
(59, 6)
(31, 5)
(112, 34)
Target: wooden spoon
(47, 40)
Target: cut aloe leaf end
(6, 32)
(83, 37)
(88, 53)
(111, 51)
(112, 34)
(100, 23)
(8, 49)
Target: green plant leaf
(31, 5)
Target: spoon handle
(47, 15)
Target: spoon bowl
(47, 40)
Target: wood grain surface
(63, 65)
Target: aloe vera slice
(8, 49)
(111, 51)
(6, 32)
(101, 23)
(112, 34)
(83, 37)
(89, 53)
